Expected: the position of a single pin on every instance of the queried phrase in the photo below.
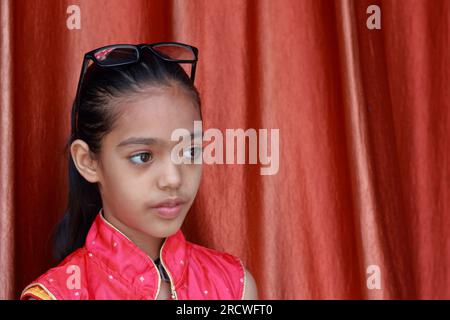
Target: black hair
(96, 118)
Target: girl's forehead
(156, 115)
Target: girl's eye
(192, 152)
(141, 158)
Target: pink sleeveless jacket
(110, 266)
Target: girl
(120, 237)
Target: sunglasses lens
(116, 56)
(175, 52)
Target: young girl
(120, 237)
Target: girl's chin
(164, 228)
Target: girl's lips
(169, 208)
(169, 212)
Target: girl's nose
(170, 177)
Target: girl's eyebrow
(149, 141)
(138, 140)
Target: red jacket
(110, 266)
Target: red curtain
(363, 119)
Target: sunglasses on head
(123, 54)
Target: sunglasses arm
(77, 97)
(194, 67)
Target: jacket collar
(123, 259)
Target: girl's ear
(86, 165)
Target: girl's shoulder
(198, 251)
(48, 284)
(222, 267)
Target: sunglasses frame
(138, 48)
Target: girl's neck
(150, 245)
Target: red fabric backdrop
(364, 136)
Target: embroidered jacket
(110, 266)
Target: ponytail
(84, 203)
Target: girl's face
(135, 171)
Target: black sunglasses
(123, 54)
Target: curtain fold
(367, 227)
(363, 184)
(7, 212)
